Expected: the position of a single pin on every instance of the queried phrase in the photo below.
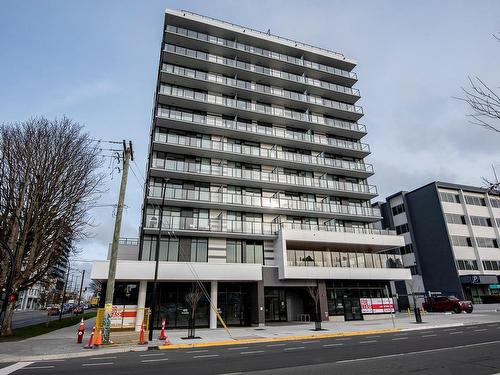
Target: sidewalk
(62, 343)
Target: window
(169, 250)
(491, 265)
(486, 242)
(475, 201)
(406, 249)
(233, 251)
(461, 241)
(199, 250)
(455, 219)
(467, 265)
(480, 221)
(403, 228)
(449, 197)
(400, 208)
(254, 252)
(495, 202)
(126, 293)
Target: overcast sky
(96, 62)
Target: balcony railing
(249, 86)
(263, 177)
(337, 228)
(128, 241)
(182, 92)
(233, 63)
(264, 52)
(275, 202)
(310, 258)
(207, 144)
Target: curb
(274, 339)
(422, 327)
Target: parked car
(53, 310)
(78, 310)
(447, 303)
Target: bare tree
(193, 298)
(48, 181)
(314, 293)
(95, 287)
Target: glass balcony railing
(337, 228)
(212, 225)
(312, 258)
(279, 92)
(181, 92)
(263, 177)
(274, 202)
(279, 133)
(207, 144)
(200, 55)
(264, 52)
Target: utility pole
(81, 286)
(128, 155)
(64, 293)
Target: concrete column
(261, 314)
(323, 304)
(141, 303)
(213, 299)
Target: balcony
(275, 204)
(226, 85)
(237, 176)
(316, 69)
(231, 67)
(244, 153)
(200, 101)
(188, 121)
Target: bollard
(80, 332)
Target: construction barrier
(124, 318)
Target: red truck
(447, 303)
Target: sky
(96, 62)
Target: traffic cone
(98, 340)
(80, 332)
(162, 333)
(141, 335)
(90, 344)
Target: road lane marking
(16, 366)
(151, 355)
(98, 358)
(295, 348)
(206, 356)
(253, 352)
(449, 329)
(480, 330)
(401, 334)
(309, 341)
(344, 338)
(37, 367)
(230, 373)
(428, 335)
(273, 345)
(197, 351)
(97, 364)
(400, 338)
(367, 342)
(419, 352)
(154, 360)
(328, 345)
(238, 348)
(456, 333)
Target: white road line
(425, 332)
(97, 364)
(206, 356)
(428, 335)
(449, 329)
(367, 342)
(498, 327)
(344, 338)
(337, 344)
(37, 367)
(480, 330)
(400, 338)
(309, 341)
(197, 351)
(231, 373)
(373, 336)
(253, 352)
(151, 355)
(456, 333)
(419, 352)
(98, 358)
(400, 334)
(273, 345)
(154, 360)
(16, 366)
(238, 348)
(295, 348)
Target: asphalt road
(467, 350)
(30, 317)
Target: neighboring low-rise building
(451, 235)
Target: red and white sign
(376, 305)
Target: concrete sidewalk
(62, 343)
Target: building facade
(451, 235)
(256, 182)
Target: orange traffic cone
(162, 333)
(141, 335)
(98, 340)
(80, 332)
(90, 344)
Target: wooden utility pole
(128, 155)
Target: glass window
(455, 219)
(461, 241)
(480, 221)
(487, 242)
(400, 208)
(474, 200)
(233, 251)
(449, 197)
(199, 250)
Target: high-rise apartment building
(256, 182)
(451, 237)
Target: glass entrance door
(352, 309)
(275, 305)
